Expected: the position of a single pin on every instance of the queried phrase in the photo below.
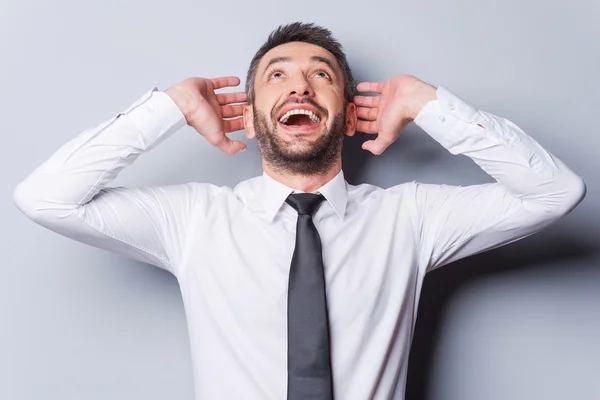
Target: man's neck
(304, 183)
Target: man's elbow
(33, 204)
(574, 193)
(24, 201)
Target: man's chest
(241, 268)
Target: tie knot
(305, 203)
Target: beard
(316, 158)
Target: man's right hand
(204, 110)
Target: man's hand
(204, 110)
(401, 99)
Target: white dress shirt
(231, 249)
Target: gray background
(520, 322)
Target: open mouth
(300, 119)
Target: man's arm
(68, 193)
(533, 188)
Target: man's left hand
(400, 100)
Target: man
(297, 284)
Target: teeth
(311, 115)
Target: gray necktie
(309, 365)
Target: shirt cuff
(447, 118)
(156, 115)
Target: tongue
(299, 120)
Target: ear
(248, 116)
(351, 119)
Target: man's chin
(299, 149)
(299, 145)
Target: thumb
(240, 146)
(375, 146)
(225, 144)
(232, 147)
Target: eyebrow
(313, 59)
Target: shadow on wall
(354, 157)
(558, 248)
(413, 152)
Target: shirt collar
(275, 193)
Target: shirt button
(442, 118)
(150, 108)
(451, 107)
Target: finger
(232, 111)
(367, 126)
(233, 125)
(232, 147)
(378, 145)
(227, 145)
(228, 98)
(367, 101)
(367, 113)
(224, 81)
(375, 87)
(238, 146)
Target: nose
(301, 87)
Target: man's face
(299, 115)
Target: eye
(324, 74)
(275, 74)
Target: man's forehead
(296, 52)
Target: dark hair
(308, 33)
